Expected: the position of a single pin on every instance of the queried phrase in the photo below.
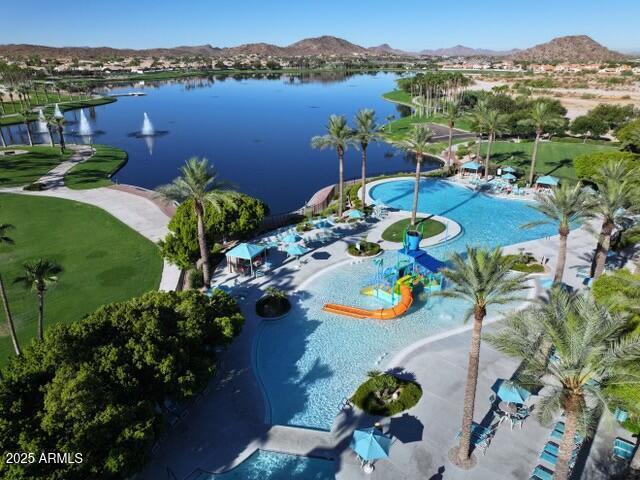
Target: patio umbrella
(323, 224)
(296, 250)
(509, 392)
(509, 176)
(370, 444)
(291, 238)
(355, 213)
(509, 170)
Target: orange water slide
(406, 299)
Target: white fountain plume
(85, 129)
(42, 123)
(56, 112)
(147, 126)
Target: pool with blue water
(310, 360)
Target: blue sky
(406, 24)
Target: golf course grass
(554, 158)
(103, 261)
(428, 227)
(96, 171)
(17, 170)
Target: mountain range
(576, 48)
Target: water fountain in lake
(147, 127)
(42, 123)
(85, 128)
(56, 112)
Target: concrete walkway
(135, 211)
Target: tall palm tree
(199, 183)
(339, 136)
(482, 278)
(5, 239)
(451, 114)
(58, 124)
(50, 123)
(613, 202)
(477, 123)
(367, 130)
(3, 143)
(10, 92)
(541, 118)
(564, 206)
(493, 123)
(417, 142)
(26, 124)
(39, 275)
(593, 353)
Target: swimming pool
(310, 360)
(264, 465)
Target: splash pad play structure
(414, 271)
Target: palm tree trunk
(202, 241)
(7, 312)
(568, 442)
(40, 316)
(602, 249)
(562, 256)
(416, 190)
(534, 154)
(340, 181)
(2, 142)
(61, 134)
(450, 143)
(478, 147)
(26, 124)
(364, 177)
(51, 136)
(488, 157)
(464, 450)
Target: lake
(256, 131)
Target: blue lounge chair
(623, 449)
(621, 415)
(541, 473)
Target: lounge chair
(541, 473)
(623, 449)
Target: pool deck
(231, 420)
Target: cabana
(245, 257)
(471, 166)
(510, 177)
(547, 181)
(508, 169)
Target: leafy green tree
(199, 183)
(587, 165)
(339, 136)
(39, 276)
(481, 278)
(542, 118)
(417, 142)
(588, 126)
(367, 130)
(614, 116)
(236, 221)
(5, 239)
(629, 135)
(564, 206)
(593, 352)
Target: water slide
(406, 299)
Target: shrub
(273, 304)
(526, 264)
(196, 281)
(35, 187)
(366, 249)
(367, 396)
(588, 164)
(304, 226)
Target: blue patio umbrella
(291, 238)
(510, 392)
(323, 224)
(296, 250)
(355, 213)
(509, 170)
(370, 444)
(471, 166)
(509, 176)
(548, 180)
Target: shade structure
(510, 392)
(370, 444)
(355, 213)
(509, 176)
(323, 224)
(548, 180)
(246, 251)
(291, 238)
(296, 250)
(472, 166)
(509, 170)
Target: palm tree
(59, 123)
(338, 136)
(199, 183)
(2, 141)
(477, 123)
(613, 202)
(417, 142)
(10, 91)
(366, 131)
(593, 353)
(39, 275)
(26, 124)
(5, 239)
(481, 278)
(493, 123)
(451, 114)
(542, 118)
(50, 122)
(564, 206)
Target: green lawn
(554, 158)
(103, 260)
(428, 227)
(398, 129)
(96, 171)
(16, 170)
(10, 119)
(399, 96)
